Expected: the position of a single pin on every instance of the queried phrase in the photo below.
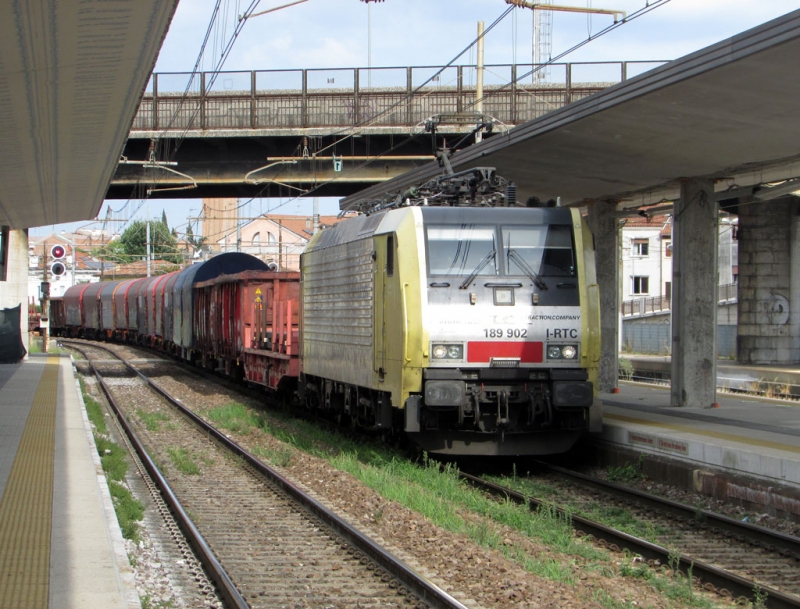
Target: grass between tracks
(438, 494)
(115, 466)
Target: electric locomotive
(454, 316)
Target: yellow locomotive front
(472, 330)
(510, 323)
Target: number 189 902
(505, 333)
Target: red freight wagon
(58, 316)
(155, 307)
(166, 314)
(145, 288)
(122, 324)
(249, 321)
(73, 308)
(106, 301)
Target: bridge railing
(657, 304)
(376, 97)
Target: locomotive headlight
(569, 352)
(447, 351)
(562, 351)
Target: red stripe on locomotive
(484, 351)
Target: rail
(382, 97)
(659, 304)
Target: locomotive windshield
(460, 250)
(545, 249)
(470, 249)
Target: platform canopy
(727, 112)
(72, 73)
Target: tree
(113, 251)
(195, 242)
(162, 244)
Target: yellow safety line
(27, 504)
(714, 434)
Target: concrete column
(14, 291)
(769, 286)
(605, 226)
(794, 284)
(694, 296)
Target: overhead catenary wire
(163, 149)
(351, 130)
(649, 6)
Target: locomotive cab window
(548, 250)
(462, 250)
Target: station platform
(747, 448)
(60, 543)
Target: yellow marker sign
(258, 291)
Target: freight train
(447, 314)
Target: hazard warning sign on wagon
(258, 294)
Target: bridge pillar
(694, 296)
(605, 226)
(769, 282)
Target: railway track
(734, 558)
(262, 540)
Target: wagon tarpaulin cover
(11, 348)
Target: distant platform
(772, 379)
(747, 448)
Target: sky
(399, 33)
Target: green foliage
(234, 417)
(625, 369)
(183, 461)
(129, 510)
(113, 251)
(630, 472)
(115, 466)
(162, 243)
(95, 413)
(759, 598)
(152, 420)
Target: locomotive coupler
(502, 408)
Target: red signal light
(58, 251)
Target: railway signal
(58, 268)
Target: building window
(257, 239)
(668, 248)
(641, 284)
(641, 247)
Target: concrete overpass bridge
(333, 131)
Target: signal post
(57, 268)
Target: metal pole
(479, 81)
(369, 45)
(148, 241)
